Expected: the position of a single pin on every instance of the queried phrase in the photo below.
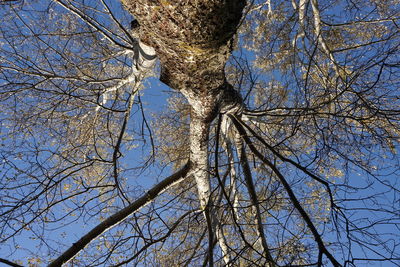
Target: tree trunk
(199, 131)
(193, 41)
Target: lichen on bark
(192, 40)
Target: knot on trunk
(224, 99)
(231, 101)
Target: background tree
(287, 148)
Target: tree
(281, 132)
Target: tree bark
(192, 40)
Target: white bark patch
(226, 130)
(199, 158)
(144, 58)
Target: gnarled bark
(192, 40)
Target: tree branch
(9, 263)
(284, 159)
(94, 24)
(161, 239)
(292, 196)
(120, 216)
(254, 200)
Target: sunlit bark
(193, 43)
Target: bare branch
(290, 192)
(9, 263)
(120, 216)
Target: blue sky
(154, 100)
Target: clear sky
(34, 19)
